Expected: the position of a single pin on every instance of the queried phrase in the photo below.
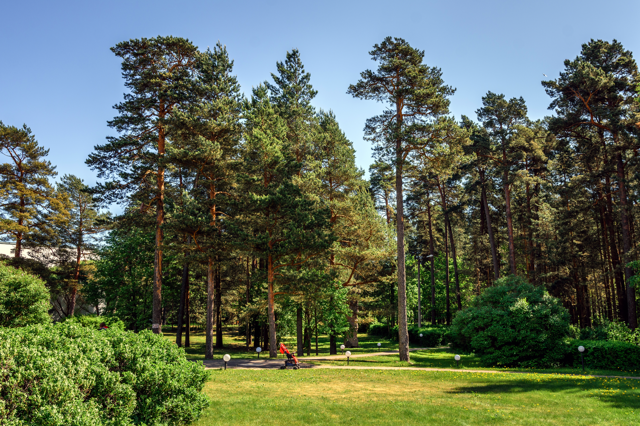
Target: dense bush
(94, 321)
(513, 324)
(67, 374)
(379, 330)
(24, 299)
(432, 336)
(603, 354)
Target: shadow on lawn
(618, 393)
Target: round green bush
(24, 299)
(67, 374)
(513, 324)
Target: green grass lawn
(444, 358)
(370, 397)
(235, 345)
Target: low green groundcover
(67, 374)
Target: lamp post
(379, 344)
(581, 350)
(348, 354)
(258, 350)
(226, 359)
(342, 349)
(457, 357)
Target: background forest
(251, 211)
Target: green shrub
(24, 299)
(513, 324)
(94, 321)
(379, 330)
(432, 336)
(603, 354)
(62, 374)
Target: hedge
(63, 374)
(603, 354)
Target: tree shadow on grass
(609, 391)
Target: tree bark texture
(210, 309)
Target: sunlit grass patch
(374, 397)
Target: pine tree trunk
(455, 263)
(492, 242)
(352, 334)
(157, 262)
(316, 328)
(271, 308)
(183, 297)
(403, 331)
(626, 242)
(218, 306)
(433, 269)
(300, 337)
(210, 309)
(248, 300)
(333, 350)
(187, 335)
(446, 262)
(507, 199)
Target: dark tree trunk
(492, 242)
(403, 331)
(455, 263)
(352, 335)
(210, 309)
(183, 298)
(333, 350)
(248, 300)
(218, 305)
(433, 269)
(507, 199)
(446, 262)
(626, 242)
(615, 259)
(299, 335)
(315, 315)
(187, 330)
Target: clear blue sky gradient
(59, 77)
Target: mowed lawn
(444, 358)
(374, 397)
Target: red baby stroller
(291, 360)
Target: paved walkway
(259, 364)
(277, 363)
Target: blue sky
(58, 75)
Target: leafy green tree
(158, 73)
(24, 299)
(123, 277)
(29, 205)
(77, 237)
(414, 94)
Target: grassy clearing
(235, 345)
(366, 397)
(444, 358)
